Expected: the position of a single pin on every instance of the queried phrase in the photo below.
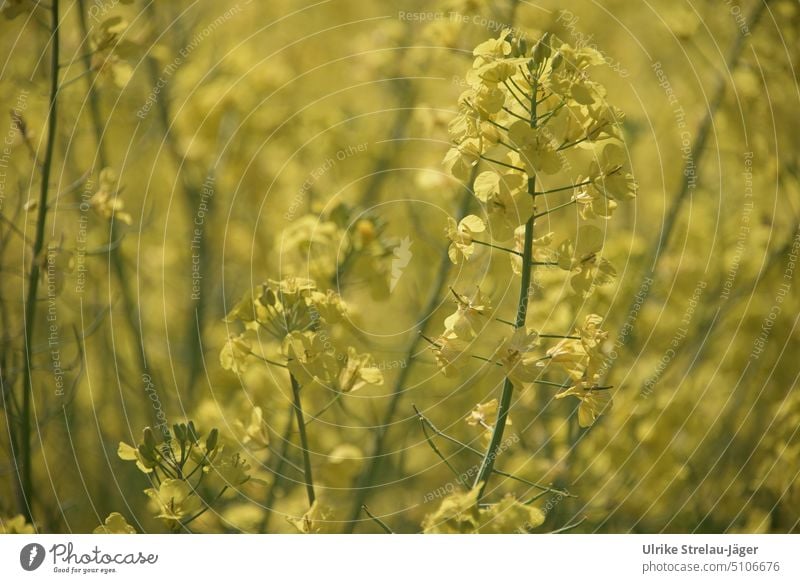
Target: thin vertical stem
(277, 471)
(192, 191)
(487, 464)
(93, 101)
(659, 246)
(129, 305)
(366, 479)
(301, 427)
(26, 479)
(377, 520)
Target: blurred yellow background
(258, 140)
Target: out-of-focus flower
(115, 523)
(461, 237)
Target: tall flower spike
(526, 108)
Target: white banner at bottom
(390, 558)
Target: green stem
(379, 522)
(26, 479)
(513, 252)
(569, 527)
(277, 471)
(493, 161)
(471, 449)
(522, 92)
(554, 209)
(542, 335)
(535, 497)
(507, 145)
(498, 247)
(570, 187)
(544, 118)
(325, 407)
(267, 360)
(301, 427)
(116, 260)
(517, 98)
(552, 384)
(94, 103)
(365, 480)
(658, 248)
(192, 192)
(588, 136)
(497, 125)
(74, 80)
(487, 464)
(407, 95)
(208, 505)
(513, 114)
(435, 448)
(84, 56)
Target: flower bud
(149, 439)
(180, 432)
(192, 432)
(267, 296)
(542, 49)
(147, 454)
(212, 439)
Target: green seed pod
(523, 47)
(212, 439)
(149, 439)
(192, 432)
(558, 58)
(542, 49)
(267, 297)
(180, 432)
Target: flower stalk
(301, 428)
(510, 81)
(25, 471)
(487, 464)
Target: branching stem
(26, 477)
(301, 428)
(487, 464)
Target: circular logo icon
(31, 556)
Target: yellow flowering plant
(189, 474)
(359, 253)
(530, 112)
